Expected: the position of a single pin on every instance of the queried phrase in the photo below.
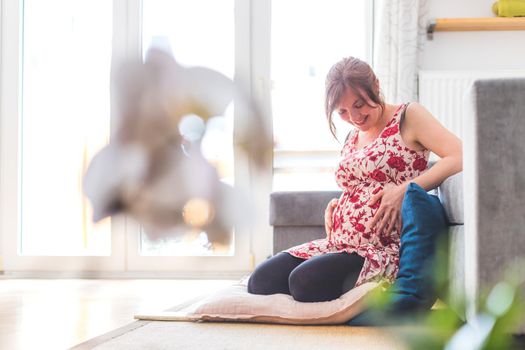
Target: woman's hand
(328, 220)
(388, 216)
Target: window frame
(252, 71)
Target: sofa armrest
(494, 182)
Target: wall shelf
(474, 24)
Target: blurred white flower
(153, 167)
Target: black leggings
(321, 278)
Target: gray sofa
(487, 218)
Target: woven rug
(213, 335)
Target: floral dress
(361, 174)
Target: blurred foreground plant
(492, 325)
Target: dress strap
(348, 136)
(349, 142)
(402, 117)
(351, 137)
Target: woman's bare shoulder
(417, 118)
(423, 128)
(416, 110)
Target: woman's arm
(420, 129)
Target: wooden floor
(60, 313)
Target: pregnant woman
(387, 149)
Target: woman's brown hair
(355, 74)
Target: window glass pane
(323, 32)
(65, 121)
(198, 33)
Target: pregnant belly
(352, 217)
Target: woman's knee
(259, 282)
(301, 286)
(325, 278)
(255, 285)
(271, 276)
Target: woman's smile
(361, 122)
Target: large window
(57, 61)
(64, 121)
(322, 33)
(56, 64)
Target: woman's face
(360, 112)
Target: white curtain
(398, 46)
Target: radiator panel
(443, 93)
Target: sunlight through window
(65, 121)
(195, 38)
(322, 33)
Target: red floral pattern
(390, 131)
(378, 175)
(397, 162)
(419, 164)
(361, 174)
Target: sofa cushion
(285, 237)
(299, 208)
(424, 223)
(451, 194)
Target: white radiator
(443, 92)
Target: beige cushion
(236, 304)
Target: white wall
(483, 50)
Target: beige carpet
(207, 335)
(185, 335)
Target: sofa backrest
(298, 216)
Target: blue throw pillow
(424, 226)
